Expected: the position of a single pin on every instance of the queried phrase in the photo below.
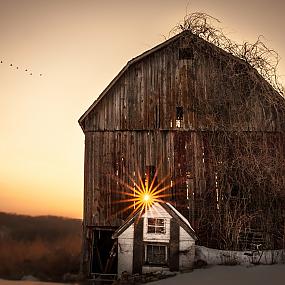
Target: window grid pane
(156, 226)
(156, 254)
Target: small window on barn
(186, 53)
(155, 226)
(155, 254)
(235, 190)
(157, 122)
(150, 175)
(179, 117)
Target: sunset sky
(79, 46)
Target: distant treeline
(46, 247)
(27, 228)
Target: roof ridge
(122, 71)
(170, 209)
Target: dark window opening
(173, 194)
(235, 190)
(155, 254)
(156, 226)
(150, 176)
(157, 122)
(186, 53)
(179, 116)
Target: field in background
(46, 247)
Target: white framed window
(156, 254)
(156, 226)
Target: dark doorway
(105, 252)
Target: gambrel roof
(151, 51)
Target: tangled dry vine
(243, 142)
(257, 54)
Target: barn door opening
(104, 253)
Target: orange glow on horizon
(80, 46)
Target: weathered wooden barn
(197, 115)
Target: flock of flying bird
(17, 67)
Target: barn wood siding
(214, 89)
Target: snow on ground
(18, 282)
(214, 275)
(230, 275)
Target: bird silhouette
(18, 68)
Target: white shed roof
(170, 209)
(180, 215)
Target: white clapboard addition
(166, 241)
